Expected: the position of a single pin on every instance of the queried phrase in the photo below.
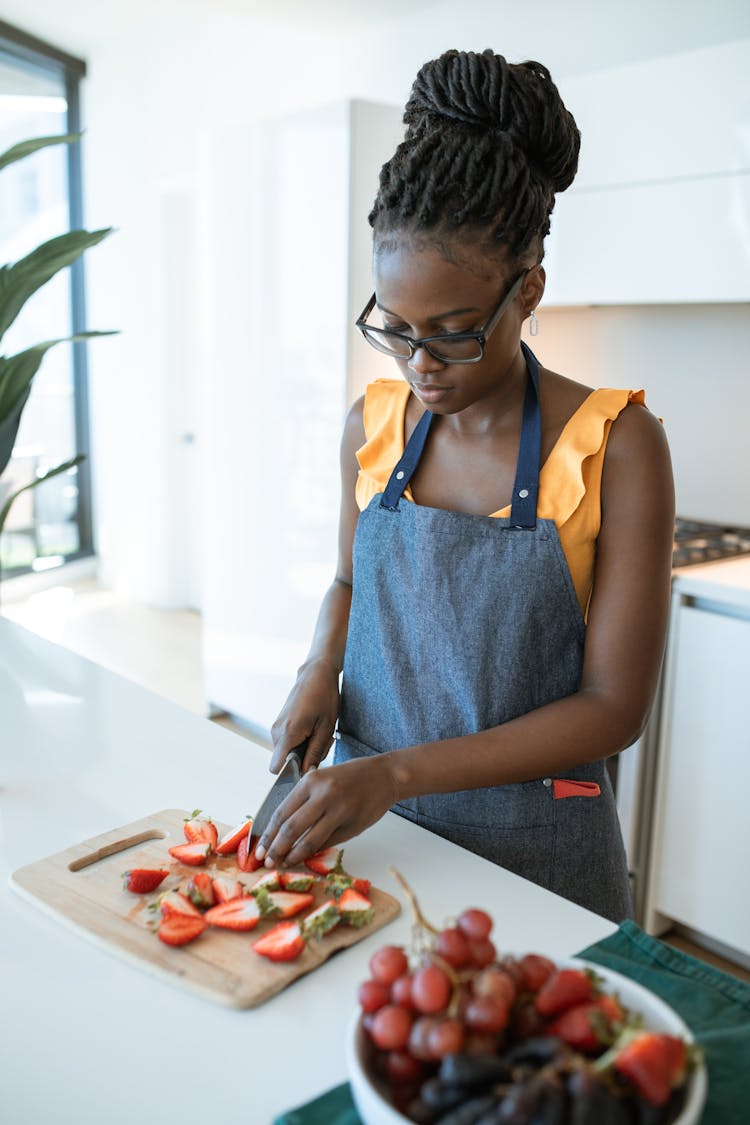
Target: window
(40, 197)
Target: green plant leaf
(66, 465)
(20, 280)
(25, 148)
(16, 375)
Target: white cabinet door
(703, 839)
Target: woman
(501, 600)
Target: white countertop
(88, 1038)
(726, 580)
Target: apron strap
(407, 466)
(526, 484)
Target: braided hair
(487, 145)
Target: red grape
(418, 1039)
(401, 1067)
(452, 945)
(430, 989)
(372, 995)
(401, 992)
(495, 982)
(445, 1037)
(475, 923)
(387, 963)
(483, 952)
(536, 969)
(486, 1013)
(390, 1028)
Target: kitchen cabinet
(287, 271)
(660, 209)
(702, 829)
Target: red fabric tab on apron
(564, 788)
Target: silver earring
(533, 324)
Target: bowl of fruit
(450, 1031)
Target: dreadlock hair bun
(488, 144)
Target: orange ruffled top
(569, 480)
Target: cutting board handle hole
(115, 848)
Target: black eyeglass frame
(481, 336)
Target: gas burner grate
(697, 542)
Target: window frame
(39, 54)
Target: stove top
(696, 542)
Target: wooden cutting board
(83, 887)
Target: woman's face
(421, 292)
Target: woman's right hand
(310, 712)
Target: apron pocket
(526, 851)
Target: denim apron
(459, 623)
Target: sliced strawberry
(229, 843)
(192, 854)
(323, 863)
(271, 882)
(200, 830)
(297, 880)
(142, 880)
(225, 888)
(200, 890)
(355, 909)
(173, 902)
(562, 989)
(282, 904)
(362, 886)
(653, 1063)
(246, 860)
(283, 942)
(321, 920)
(237, 914)
(179, 929)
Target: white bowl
(374, 1109)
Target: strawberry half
(179, 929)
(229, 843)
(355, 909)
(297, 880)
(141, 880)
(200, 890)
(283, 942)
(587, 1027)
(200, 830)
(271, 882)
(237, 914)
(320, 921)
(653, 1063)
(282, 904)
(192, 854)
(246, 860)
(225, 889)
(323, 863)
(173, 902)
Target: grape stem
(419, 917)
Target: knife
(281, 788)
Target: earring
(533, 324)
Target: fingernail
(269, 861)
(260, 851)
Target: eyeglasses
(450, 347)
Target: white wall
(162, 75)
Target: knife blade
(288, 777)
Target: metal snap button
(523, 493)
(547, 781)
(399, 475)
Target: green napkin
(715, 1006)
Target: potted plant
(18, 281)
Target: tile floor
(161, 650)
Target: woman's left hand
(327, 806)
